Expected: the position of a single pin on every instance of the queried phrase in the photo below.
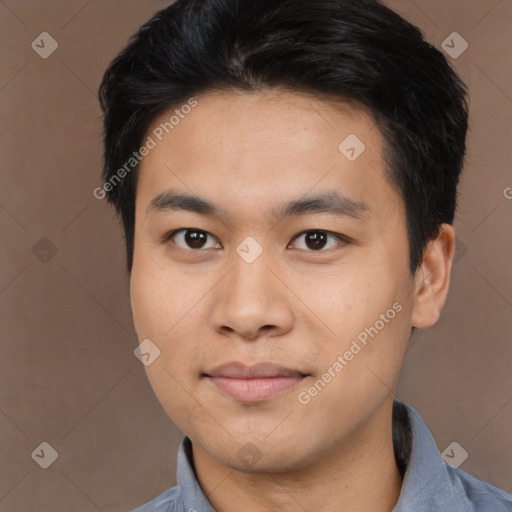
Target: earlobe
(432, 279)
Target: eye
(191, 239)
(316, 240)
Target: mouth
(253, 384)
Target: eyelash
(342, 239)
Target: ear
(432, 279)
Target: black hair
(402, 436)
(341, 50)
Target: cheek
(159, 314)
(366, 306)
(165, 309)
(344, 301)
(143, 302)
(153, 307)
(158, 299)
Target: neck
(360, 475)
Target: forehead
(255, 150)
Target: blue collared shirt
(429, 483)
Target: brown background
(68, 375)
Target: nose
(252, 301)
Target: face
(289, 260)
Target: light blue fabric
(430, 485)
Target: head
(333, 136)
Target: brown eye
(192, 239)
(316, 240)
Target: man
(286, 174)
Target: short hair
(358, 51)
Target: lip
(255, 383)
(236, 370)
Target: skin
(293, 306)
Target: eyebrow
(333, 203)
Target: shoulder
(165, 502)
(480, 496)
(430, 483)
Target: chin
(260, 456)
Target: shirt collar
(427, 485)
(189, 491)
